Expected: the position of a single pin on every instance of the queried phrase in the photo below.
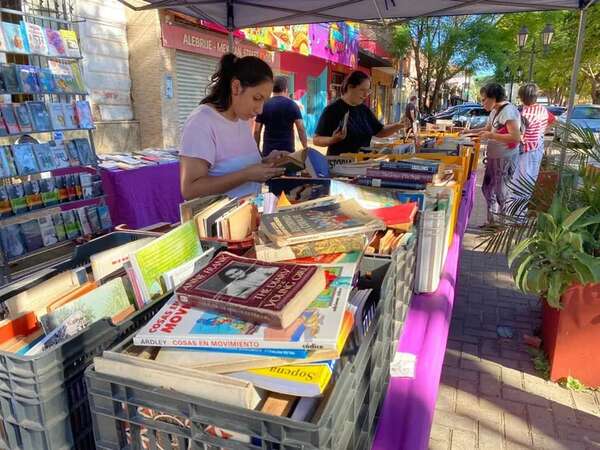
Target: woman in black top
(362, 124)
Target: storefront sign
(212, 44)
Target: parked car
(450, 112)
(472, 118)
(556, 110)
(584, 116)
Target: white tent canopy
(255, 13)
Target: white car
(584, 116)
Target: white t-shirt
(496, 149)
(226, 145)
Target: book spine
(247, 314)
(377, 182)
(403, 166)
(344, 244)
(400, 176)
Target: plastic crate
(128, 414)
(43, 399)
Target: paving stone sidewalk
(490, 396)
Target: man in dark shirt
(411, 116)
(278, 118)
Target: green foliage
(540, 362)
(572, 384)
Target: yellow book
(283, 200)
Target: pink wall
(302, 67)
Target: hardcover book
(11, 238)
(7, 162)
(16, 41)
(9, 75)
(85, 153)
(39, 116)
(71, 43)
(57, 116)
(307, 224)
(44, 156)
(27, 79)
(23, 117)
(48, 231)
(84, 114)
(32, 235)
(36, 38)
(25, 159)
(56, 43)
(271, 293)
(32, 195)
(8, 114)
(16, 195)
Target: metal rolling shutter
(192, 77)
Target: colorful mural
(336, 42)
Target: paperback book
(36, 38)
(12, 241)
(44, 157)
(56, 43)
(16, 40)
(32, 235)
(8, 114)
(104, 217)
(5, 208)
(70, 224)
(60, 155)
(25, 159)
(85, 153)
(39, 116)
(32, 195)
(57, 116)
(84, 114)
(48, 231)
(16, 195)
(49, 191)
(46, 81)
(59, 227)
(27, 79)
(9, 76)
(23, 117)
(71, 43)
(256, 291)
(7, 162)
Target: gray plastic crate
(125, 412)
(43, 398)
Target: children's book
(36, 38)
(16, 196)
(27, 79)
(46, 80)
(84, 151)
(44, 157)
(16, 41)
(84, 114)
(10, 120)
(25, 159)
(57, 116)
(71, 43)
(9, 75)
(23, 117)
(70, 116)
(60, 154)
(7, 162)
(39, 116)
(56, 43)
(12, 241)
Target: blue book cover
(28, 79)
(16, 40)
(46, 81)
(39, 116)
(422, 166)
(317, 164)
(25, 159)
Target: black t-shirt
(362, 126)
(278, 117)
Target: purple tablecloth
(144, 196)
(409, 404)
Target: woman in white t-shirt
(218, 152)
(503, 135)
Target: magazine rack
(55, 16)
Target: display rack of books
(51, 193)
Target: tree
(443, 47)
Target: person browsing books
(218, 152)
(347, 124)
(278, 118)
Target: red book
(393, 216)
(400, 176)
(275, 294)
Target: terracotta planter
(571, 335)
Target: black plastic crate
(128, 414)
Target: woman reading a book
(348, 124)
(218, 152)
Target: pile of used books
(147, 157)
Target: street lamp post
(547, 35)
(509, 76)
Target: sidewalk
(490, 396)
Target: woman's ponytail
(249, 70)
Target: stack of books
(412, 174)
(144, 158)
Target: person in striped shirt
(537, 118)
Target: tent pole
(574, 73)
(230, 25)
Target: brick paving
(490, 396)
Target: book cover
(56, 43)
(70, 224)
(72, 183)
(59, 227)
(270, 293)
(104, 301)
(70, 116)
(177, 324)
(16, 41)
(79, 85)
(104, 216)
(343, 244)
(36, 38)
(392, 184)
(111, 260)
(301, 225)
(397, 215)
(73, 154)
(10, 120)
(61, 185)
(84, 223)
(44, 156)
(39, 116)
(25, 159)
(23, 117)
(5, 208)
(176, 277)
(7, 162)
(3, 45)
(92, 215)
(57, 116)
(97, 189)
(71, 326)
(12, 241)
(60, 155)
(49, 191)
(420, 177)
(165, 253)
(16, 195)
(85, 180)
(71, 43)
(33, 196)
(32, 235)
(84, 114)
(46, 81)
(85, 153)
(412, 165)
(317, 164)
(302, 380)
(48, 231)
(9, 75)
(27, 79)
